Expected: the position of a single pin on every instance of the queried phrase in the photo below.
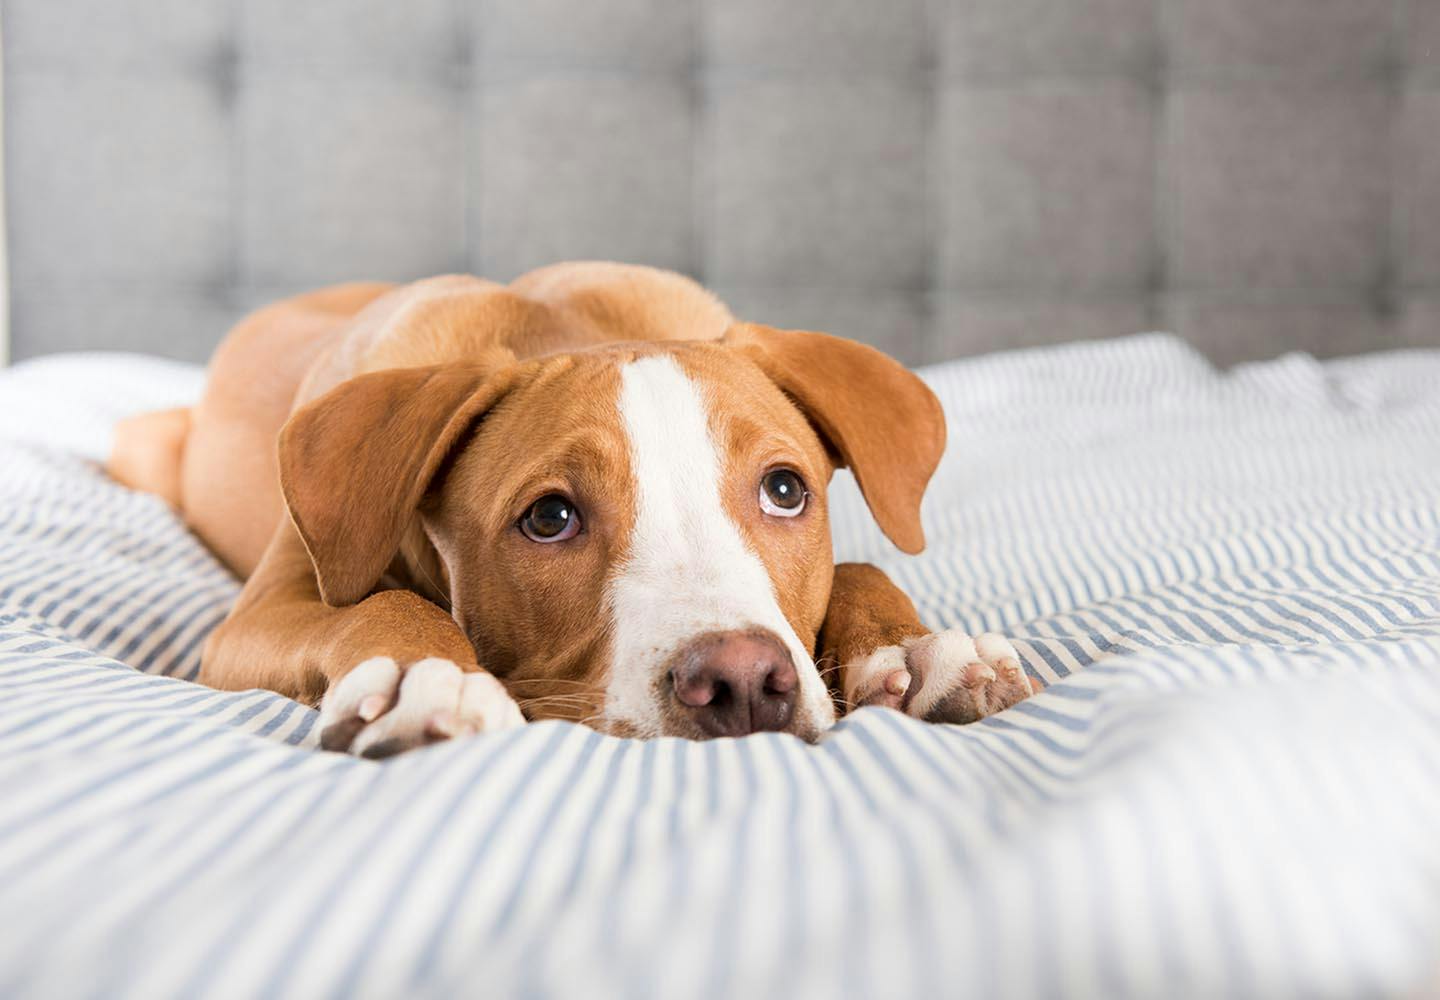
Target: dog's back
(215, 462)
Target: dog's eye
(552, 518)
(782, 493)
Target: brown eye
(552, 518)
(782, 493)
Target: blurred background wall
(937, 178)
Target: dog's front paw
(379, 709)
(940, 677)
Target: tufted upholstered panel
(938, 178)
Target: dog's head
(635, 535)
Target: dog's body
(593, 485)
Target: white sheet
(1231, 787)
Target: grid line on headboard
(938, 177)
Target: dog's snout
(738, 682)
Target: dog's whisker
(526, 705)
(557, 706)
(511, 682)
(444, 597)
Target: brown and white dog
(591, 494)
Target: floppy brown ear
(355, 463)
(879, 419)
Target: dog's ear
(876, 417)
(356, 462)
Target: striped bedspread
(1230, 583)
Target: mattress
(1228, 581)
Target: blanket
(1228, 581)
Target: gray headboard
(938, 178)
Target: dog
(591, 494)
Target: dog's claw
(882, 679)
(383, 749)
(973, 675)
(338, 736)
(372, 706)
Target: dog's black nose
(733, 683)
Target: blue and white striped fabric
(1230, 583)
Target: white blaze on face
(689, 569)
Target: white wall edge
(4, 226)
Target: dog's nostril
(693, 688)
(781, 680)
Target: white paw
(378, 709)
(941, 677)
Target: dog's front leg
(389, 673)
(886, 656)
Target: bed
(1229, 583)
(1228, 578)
